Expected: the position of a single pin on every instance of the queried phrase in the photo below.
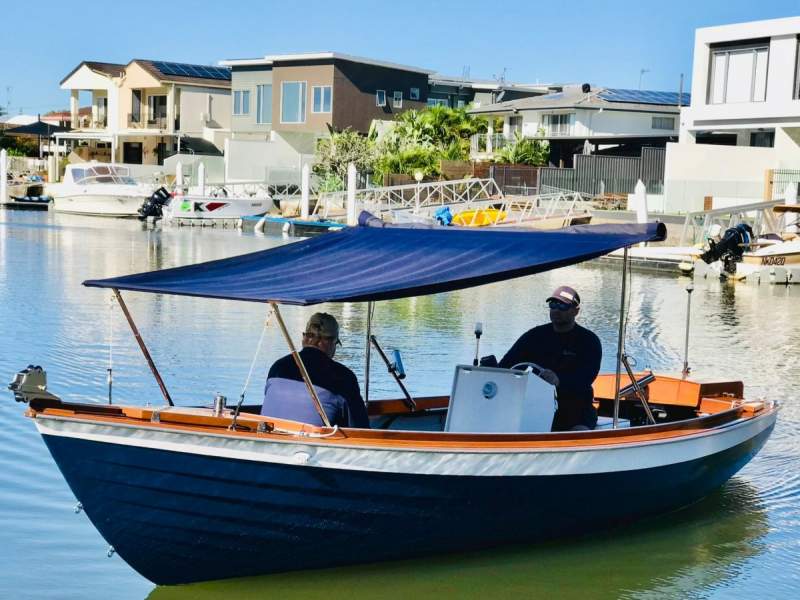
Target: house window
(241, 102)
(667, 123)
(293, 102)
(380, 98)
(264, 103)
(461, 104)
(322, 99)
(437, 102)
(558, 124)
(762, 139)
(797, 71)
(157, 110)
(136, 108)
(413, 94)
(397, 100)
(738, 74)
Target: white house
(577, 114)
(145, 110)
(744, 118)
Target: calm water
(742, 542)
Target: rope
(267, 320)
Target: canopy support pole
(143, 348)
(620, 339)
(370, 309)
(302, 368)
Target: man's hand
(549, 376)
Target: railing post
(3, 176)
(351, 195)
(179, 178)
(201, 178)
(790, 197)
(305, 185)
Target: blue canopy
(374, 261)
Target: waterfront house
(580, 117)
(463, 92)
(740, 137)
(141, 111)
(283, 103)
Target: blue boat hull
(180, 517)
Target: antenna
(641, 74)
(680, 93)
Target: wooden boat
(187, 494)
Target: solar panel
(198, 71)
(644, 97)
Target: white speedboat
(218, 205)
(99, 189)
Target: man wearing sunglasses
(570, 356)
(286, 395)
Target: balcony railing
(480, 142)
(146, 122)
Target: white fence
(382, 200)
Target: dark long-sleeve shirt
(286, 395)
(575, 357)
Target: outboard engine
(729, 248)
(31, 383)
(154, 205)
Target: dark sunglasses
(558, 305)
(311, 334)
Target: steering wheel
(534, 367)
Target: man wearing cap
(286, 395)
(570, 356)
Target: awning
(39, 128)
(369, 262)
(196, 145)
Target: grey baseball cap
(323, 324)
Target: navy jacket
(573, 356)
(286, 395)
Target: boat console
(494, 400)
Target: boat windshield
(103, 174)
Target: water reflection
(719, 536)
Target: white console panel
(492, 400)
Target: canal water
(742, 542)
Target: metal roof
(606, 98)
(270, 59)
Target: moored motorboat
(174, 489)
(99, 189)
(218, 206)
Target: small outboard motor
(154, 205)
(729, 248)
(30, 383)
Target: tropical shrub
(525, 151)
(341, 149)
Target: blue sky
(602, 42)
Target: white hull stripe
(527, 462)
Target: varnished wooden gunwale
(722, 412)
